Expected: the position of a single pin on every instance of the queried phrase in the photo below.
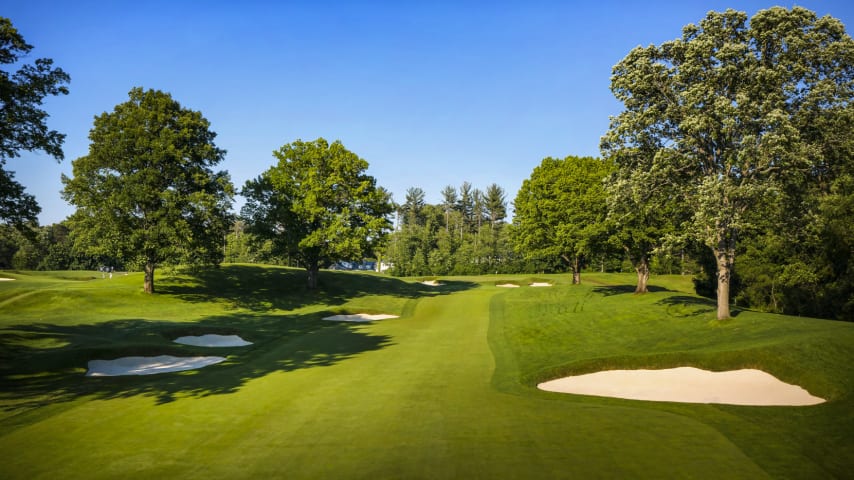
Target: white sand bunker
(507, 285)
(540, 284)
(148, 365)
(211, 340)
(4, 279)
(688, 385)
(431, 283)
(359, 317)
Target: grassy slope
(423, 396)
(538, 335)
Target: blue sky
(429, 93)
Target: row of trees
(465, 234)
(735, 142)
(567, 218)
(44, 248)
(148, 192)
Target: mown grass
(445, 391)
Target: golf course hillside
(369, 376)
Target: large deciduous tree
(318, 205)
(560, 210)
(147, 192)
(725, 110)
(22, 123)
(640, 218)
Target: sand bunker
(359, 317)
(3, 279)
(508, 285)
(148, 365)
(211, 340)
(688, 385)
(431, 283)
(540, 284)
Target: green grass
(445, 391)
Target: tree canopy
(462, 235)
(561, 209)
(146, 192)
(22, 123)
(639, 219)
(317, 204)
(725, 111)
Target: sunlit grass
(445, 391)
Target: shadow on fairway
(687, 306)
(624, 289)
(262, 288)
(44, 364)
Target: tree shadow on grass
(688, 306)
(612, 290)
(44, 364)
(264, 288)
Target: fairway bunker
(431, 283)
(507, 285)
(148, 365)
(212, 340)
(687, 385)
(359, 317)
(4, 279)
(540, 284)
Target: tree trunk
(725, 258)
(148, 283)
(575, 263)
(642, 267)
(313, 273)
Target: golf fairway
(436, 393)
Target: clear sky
(429, 93)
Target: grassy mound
(446, 391)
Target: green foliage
(805, 270)
(21, 94)
(464, 235)
(16, 206)
(146, 193)
(23, 125)
(244, 247)
(560, 211)
(45, 248)
(317, 205)
(411, 212)
(495, 204)
(641, 219)
(723, 118)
